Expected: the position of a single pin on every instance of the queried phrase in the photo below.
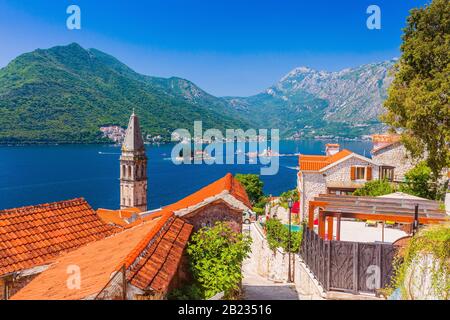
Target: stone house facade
(335, 173)
(208, 215)
(388, 151)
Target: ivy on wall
(432, 242)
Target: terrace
(333, 208)
(361, 264)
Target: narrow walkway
(257, 287)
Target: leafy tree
(419, 182)
(278, 236)
(375, 188)
(285, 196)
(418, 100)
(253, 185)
(216, 255)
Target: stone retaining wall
(274, 265)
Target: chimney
(332, 148)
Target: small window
(360, 173)
(387, 173)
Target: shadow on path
(257, 287)
(275, 292)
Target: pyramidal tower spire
(133, 168)
(133, 138)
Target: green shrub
(375, 188)
(278, 236)
(258, 211)
(285, 196)
(253, 186)
(419, 182)
(189, 292)
(216, 255)
(261, 204)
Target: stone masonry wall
(342, 171)
(396, 156)
(215, 212)
(316, 183)
(273, 265)
(267, 263)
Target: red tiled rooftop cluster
(30, 236)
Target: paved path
(257, 287)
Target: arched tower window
(129, 172)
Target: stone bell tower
(133, 168)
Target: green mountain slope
(66, 93)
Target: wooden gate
(352, 267)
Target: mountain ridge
(66, 93)
(322, 100)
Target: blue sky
(227, 47)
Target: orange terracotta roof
(151, 252)
(97, 262)
(156, 269)
(382, 141)
(316, 163)
(227, 183)
(117, 217)
(31, 236)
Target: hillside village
(69, 251)
(366, 158)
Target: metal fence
(353, 267)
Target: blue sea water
(31, 175)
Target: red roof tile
(151, 252)
(118, 217)
(97, 262)
(227, 183)
(316, 163)
(382, 141)
(156, 269)
(30, 236)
